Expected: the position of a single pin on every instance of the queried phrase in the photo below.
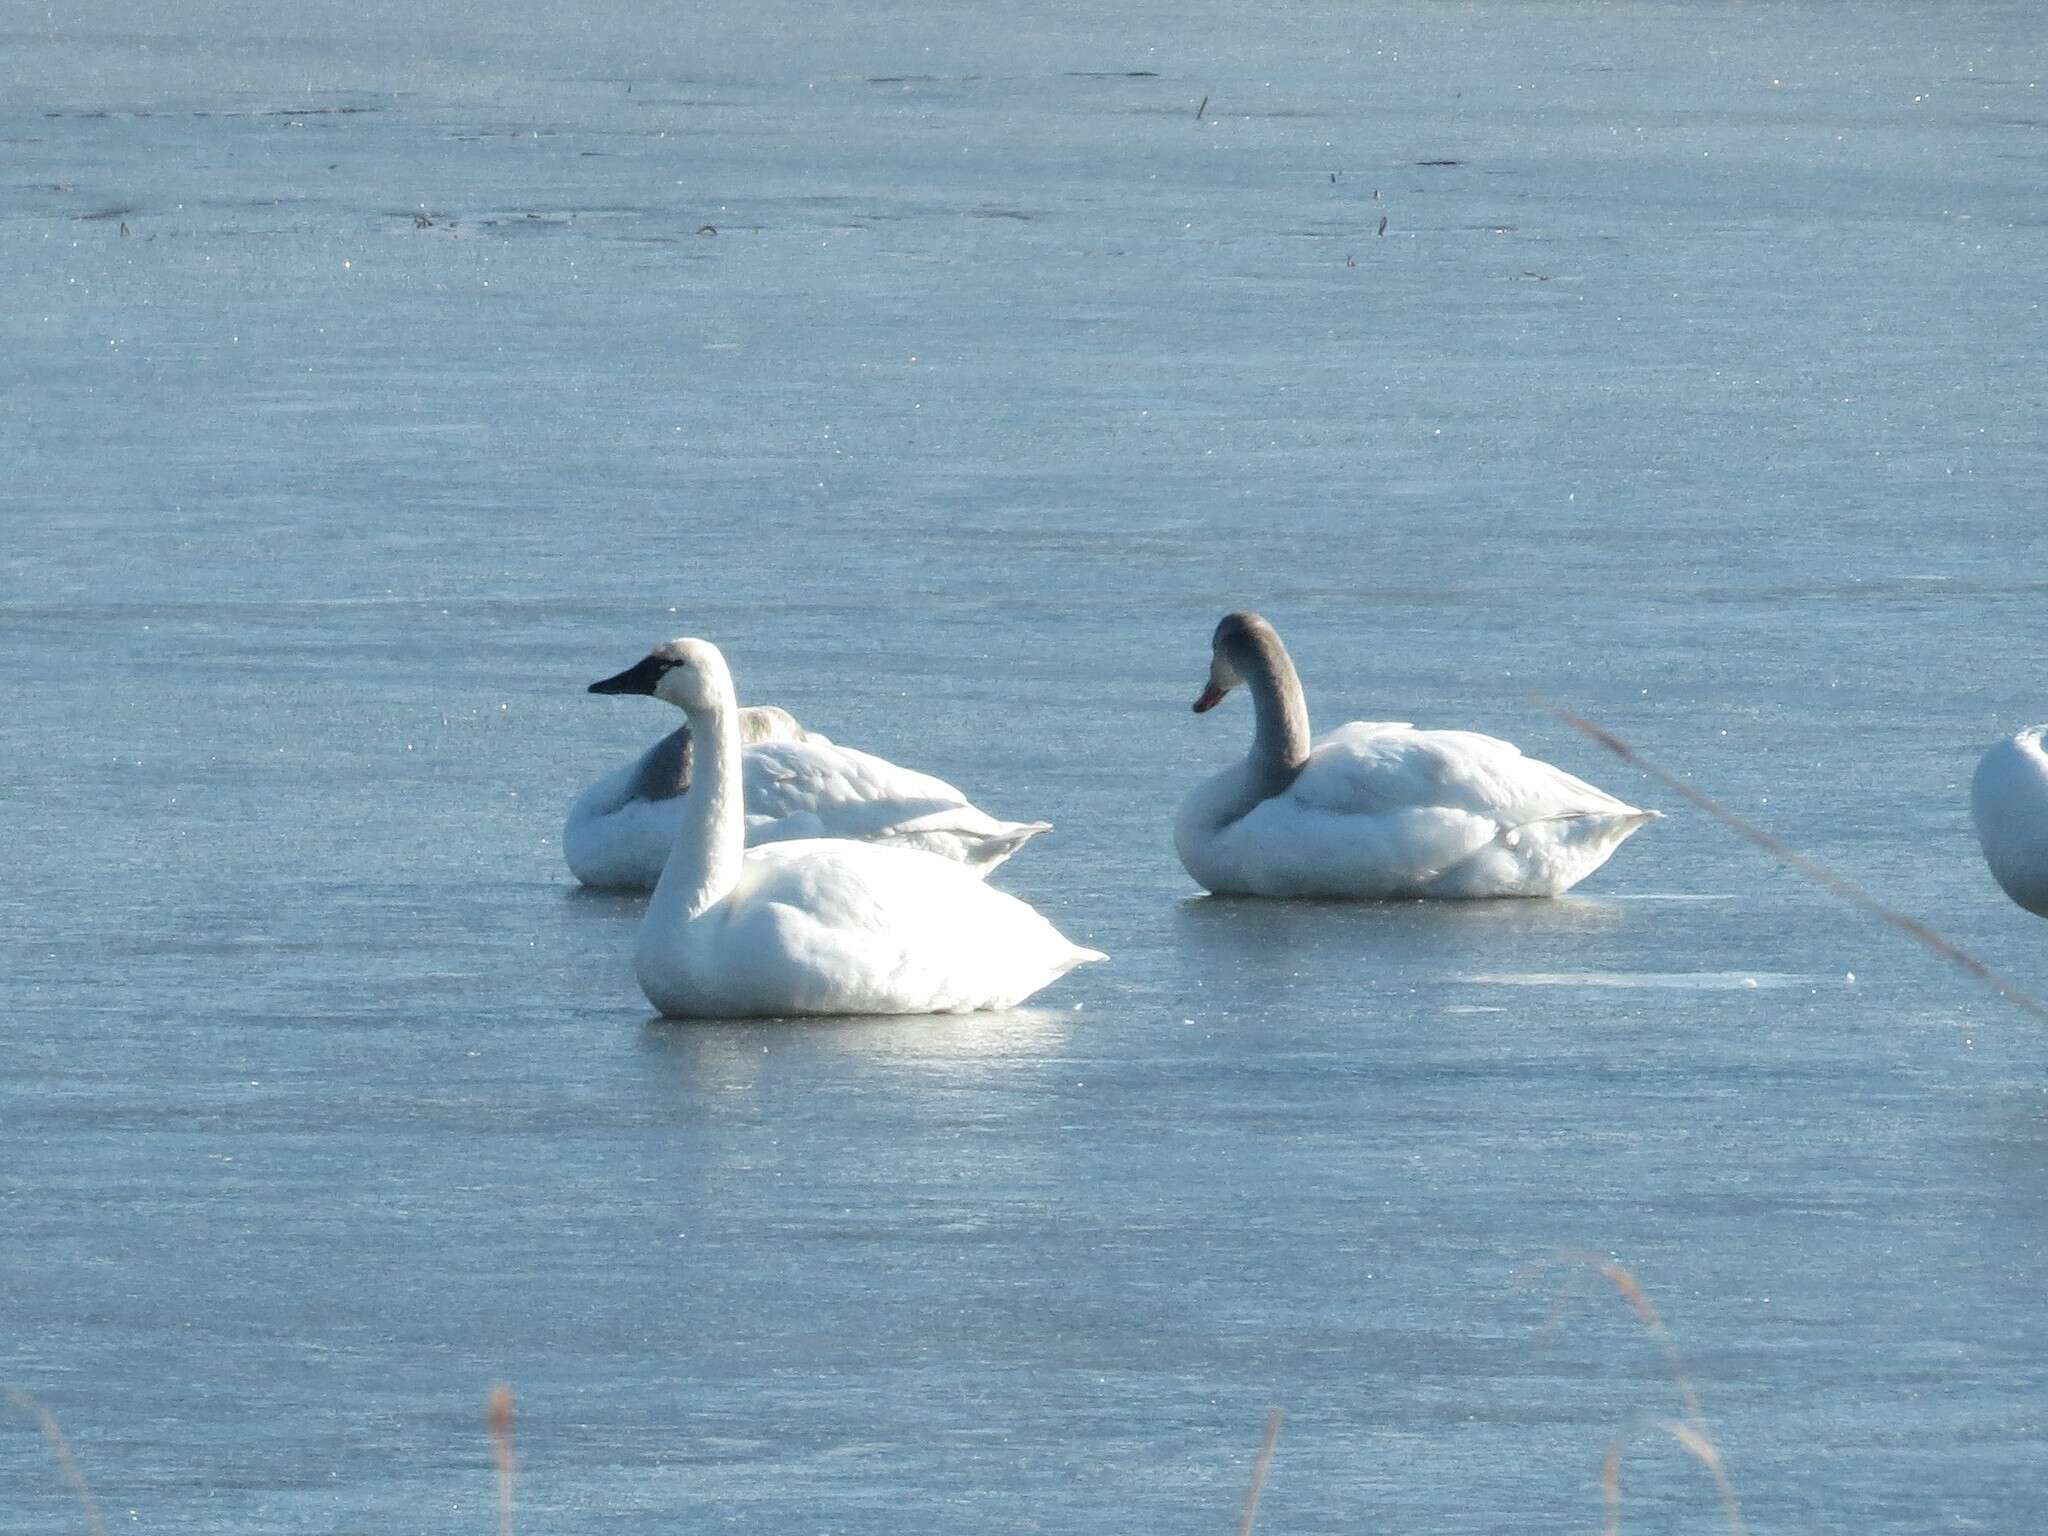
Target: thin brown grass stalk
(1696, 1444)
(498, 1416)
(1626, 1287)
(1690, 1432)
(1813, 869)
(1610, 1487)
(1260, 1468)
(60, 1452)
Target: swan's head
(689, 674)
(1236, 636)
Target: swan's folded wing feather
(1368, 768)
(1286, 848)
(787, 778)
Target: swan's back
(810, 778)
(1367, 767)
(811, 789)
(2009, 804)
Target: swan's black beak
(1211, 697)
(641, 677)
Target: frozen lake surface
(367, 389)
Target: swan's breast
(2009, 805)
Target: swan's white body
(797, 784)
(1384, 811)
(815, 926)
(824, 926)
(1380, 810)
(2009, 804)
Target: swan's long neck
(1280, 741)
(663, 771)
(712, 838)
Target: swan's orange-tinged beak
(1211, 697)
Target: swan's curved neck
(663, 771)
(711, 840)
(1280, 741)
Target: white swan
(1380, 810)
(2009, 804)
(797, 784)
(816, 925)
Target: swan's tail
(965, 835)
(1544, 856)
(1560, 851)
(1005, 840)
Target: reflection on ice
(726, 1054)
(1700, 981)
(1243, 925)
(1671, 896)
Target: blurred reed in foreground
(1689, 1430)
(498, 1417)
(60, 1452)
(1812, 868)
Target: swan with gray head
(816, 925)
(1380, 810)
(797, 783)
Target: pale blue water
(1704, 396)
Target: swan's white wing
(1288, 847)
(1368, 768)
(794, 778)
(814, 789)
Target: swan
(2009, 804)
(797, 784)
(1378, 810)
(813, 925)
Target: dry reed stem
(1691, 1432)
(498, 1416)
(1813, 869)
(1625, 1285)
(1697, 1444)
(1260, 1468)
(60, 1451)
